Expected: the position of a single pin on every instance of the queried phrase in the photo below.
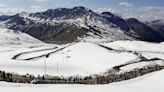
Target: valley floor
(83, 59)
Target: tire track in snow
(28, 52)
(141, 58)
(15, 57)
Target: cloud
(10, 11)
(112, 10)
(126, 4)
(36, 9)
(100, 10)
(151, 13)
(2, 5)
(148, 13)
(39, 0)
(26, 0)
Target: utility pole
(57, 68)
(45, 67)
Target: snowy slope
(80, 58)
(136, 46)
(153, 82)
(149, 50)
(162, 43)
(11, 37)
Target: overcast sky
(143, 9)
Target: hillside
(11, 37)
(83, 59)
(66, 25)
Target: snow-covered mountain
(64, 25)
(157, 25)
(89, 51)
(145, 32)
(79, 59)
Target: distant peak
(156, 21)
(23, 14)
(74, 8)
(107, 13)
(79, 8)
(132, 20)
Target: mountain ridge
(65, 25)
